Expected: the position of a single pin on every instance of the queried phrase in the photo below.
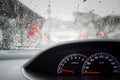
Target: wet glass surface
(37, 24)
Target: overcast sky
(64, 9)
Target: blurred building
(15, 22)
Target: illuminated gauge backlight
(101, 64)
(71, 64)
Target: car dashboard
(77, 60)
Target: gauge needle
(68, 71)
(91, 73)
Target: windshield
(37, 24)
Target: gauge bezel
(69, 56)
(102, 55)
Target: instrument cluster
(100, 63)
(79, 58)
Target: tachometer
(101, 64)
(71, 64)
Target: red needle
(68, 71)
(91, 72)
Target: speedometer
(71, 64)
(101, 64)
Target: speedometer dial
(71, 64)
(101, 64)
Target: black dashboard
(78, 60)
